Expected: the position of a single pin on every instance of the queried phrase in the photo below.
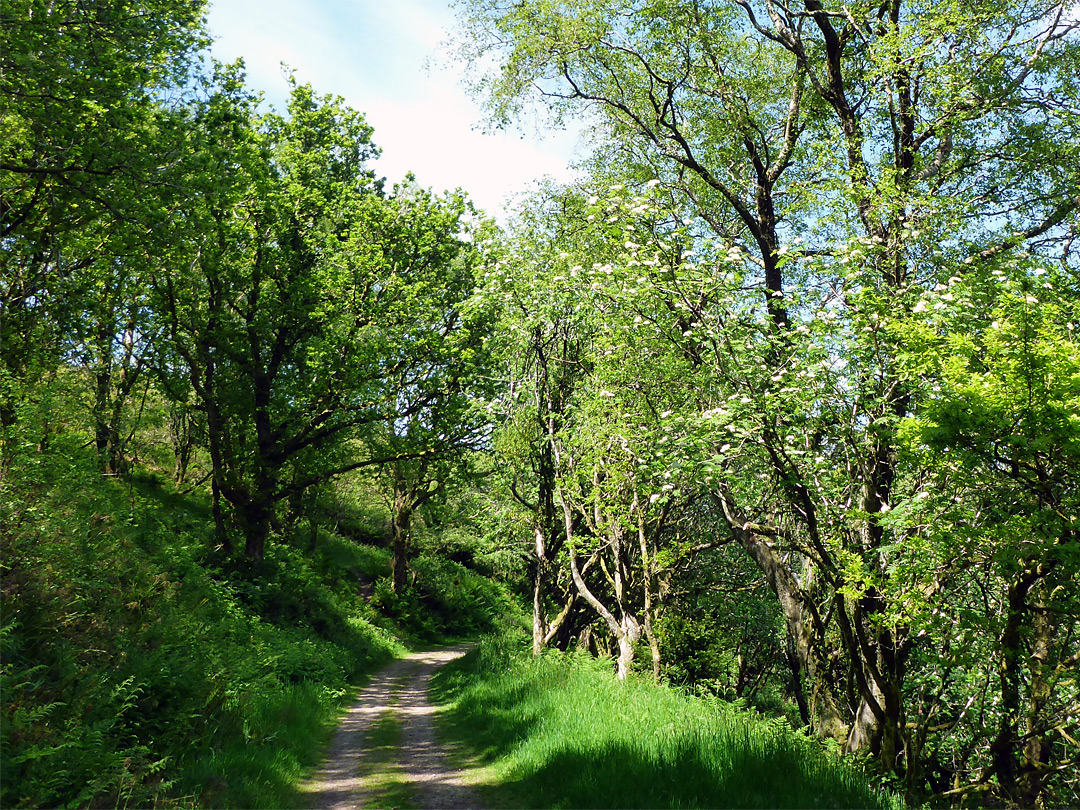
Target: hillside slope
(141, 667)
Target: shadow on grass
(616, 775)
(488, 729)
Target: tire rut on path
(421, 761)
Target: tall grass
(561, 731)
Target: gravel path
(420, 760)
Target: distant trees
(437, 346)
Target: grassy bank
(561, 731)
(141, 667)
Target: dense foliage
(140, 668)
(778, 404)
(808, 328)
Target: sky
(386, 59)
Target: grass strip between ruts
(380, 766)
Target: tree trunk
(799, 623)
(114, 447)
(1038, 747)
(108, 413)
(795, 669)
(221, 530)
(102, 383)
(1004, 748)
(114, 380)
(538, 628)
(402, 525)
(255, 534)
(625, 632)
(629, 633)
(204, 382)
(546, 530)
(182, 437)
(865, 726)
(402, 521)
(539, 588)
(649, 584)
(654, 646)
(217, 485)
(255, 521)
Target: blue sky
(385, 58)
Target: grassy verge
(561, 731)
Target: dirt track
(353, 776)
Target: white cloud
(375, 55)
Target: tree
(308, 310)
(588, 404)
(1000, 443)
(847, 159)
(86, 149)
(543, 337)
(439, 419)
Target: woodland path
(385, 752)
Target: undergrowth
(561, 731)
(141, 667)
(446, 601)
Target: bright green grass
(261, 763)
(563, 732)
